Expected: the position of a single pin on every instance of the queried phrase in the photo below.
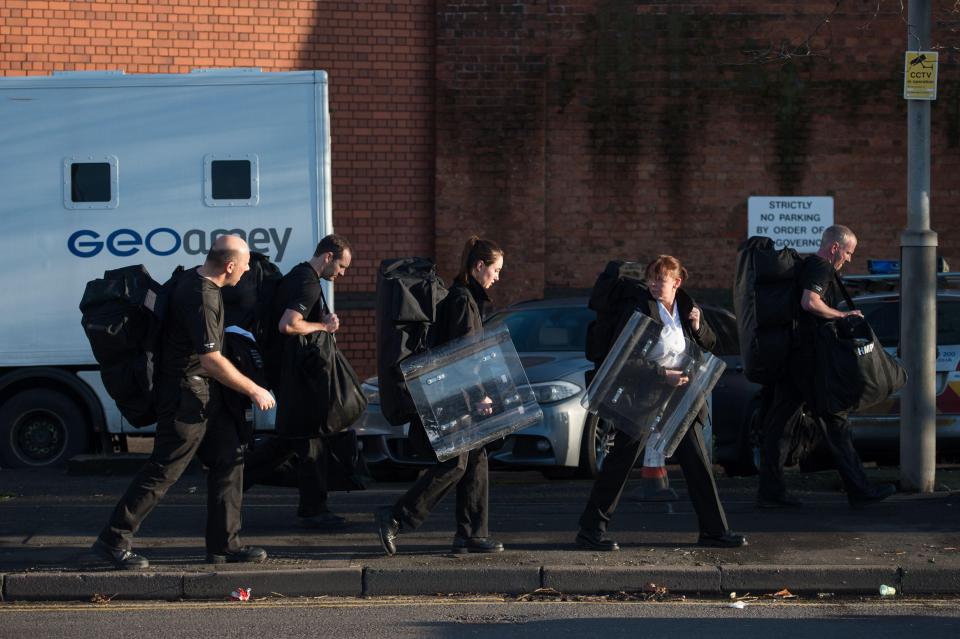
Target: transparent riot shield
(703, 370)
(470, 391)
(631, 390)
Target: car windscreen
(884, 318)
(546, 329)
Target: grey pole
(918, 247)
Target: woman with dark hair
(460, 314)
(675, 311)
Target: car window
(884, 318)
(546, 329)
(948, 322)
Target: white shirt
(672, 341)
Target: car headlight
(372, 392)
(550, 392)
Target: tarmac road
(485, 617)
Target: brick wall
(626, 129)
(570, 131)
(380, 59)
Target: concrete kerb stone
(83, 586)
(340, 582)
(428, 580)
(930, 580)
(836, 579)
(597, 579)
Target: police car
(876, 431)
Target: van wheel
(39, 428)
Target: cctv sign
(797, 222)
(920, 75)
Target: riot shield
(703, 369)
(470, 391)
(631, 391)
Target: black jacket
(461, 311)
(459, 314)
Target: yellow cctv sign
(920, 75)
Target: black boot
(243, 555)
(389, 529)
(120, 558)
(476, 544)
(595, 540)
(872, 496)
(728, 539)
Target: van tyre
(41, 427)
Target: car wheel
(751, 433)
(41, 427)
(596, 444)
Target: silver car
(549, 337)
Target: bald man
(186, 397)
(821, 294)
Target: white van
(100, 170)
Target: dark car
(876, 430)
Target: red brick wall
(379, 55)
(626, 129)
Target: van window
(231, 179)
(90, 182)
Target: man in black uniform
(820, 295)
(187, 401)
(302, 310)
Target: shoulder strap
(843, 290)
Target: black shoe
(595, 540)
(728, 539)
(872, 496)
(121, 559)
(244, 555)
(782, 500)
(323, 521)
(476, 544)
(389, 529)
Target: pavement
(49, 519)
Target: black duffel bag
(853, 370)
(319, 392)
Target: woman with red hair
(668, 305)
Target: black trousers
(190, 424)
(692, 457)
(469, 473)
(309, 457)
(790, 395)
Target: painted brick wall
(626, 129)
(380, 59)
